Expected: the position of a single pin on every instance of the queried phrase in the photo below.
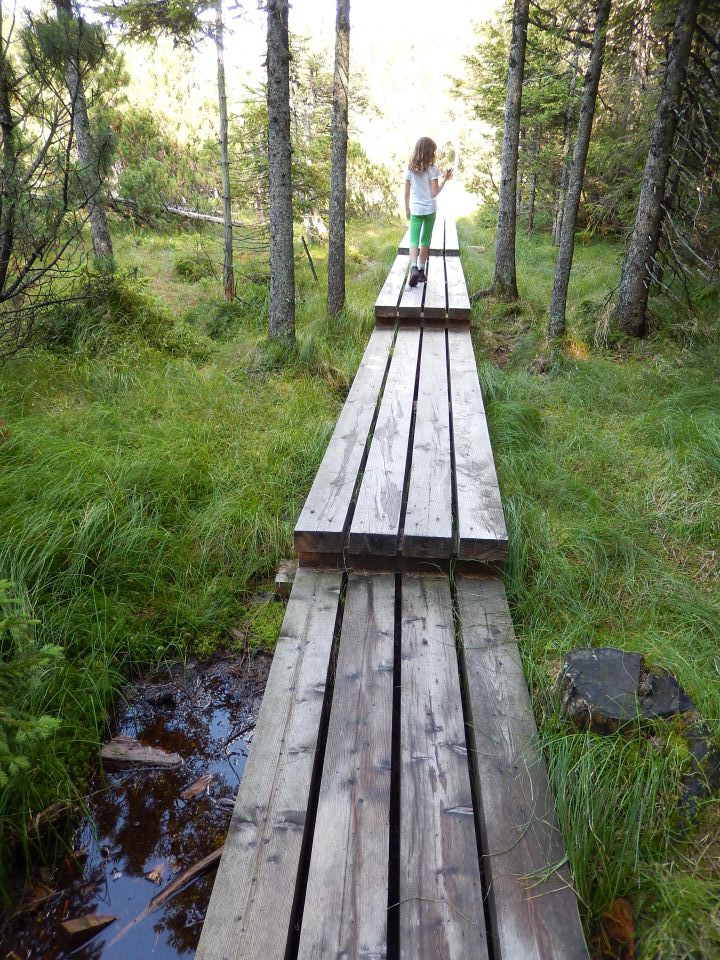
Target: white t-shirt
(421, 198)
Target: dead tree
(338, 162)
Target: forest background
(157, 445)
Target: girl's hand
(448, 173)
(407, 214)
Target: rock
(125, 750)
(83, 928)
(599, 688)
(608, 691)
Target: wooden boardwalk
(395, 803)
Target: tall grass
(608, 465)
(155, 459)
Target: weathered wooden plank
(435, 303)
(376, 522)
(458, 299)
(321, 526)
(345, 912)
(428, 530)
(441, 906)
(533, 909)
(437, 238)
(411, 301)
(452, 243)
(387, 302)
(482, 534)
(404, 247)
(250, 910)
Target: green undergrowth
(156, 452)
(608, 459)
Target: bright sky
(405, 48)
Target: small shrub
(193, 267)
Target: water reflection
(140, 823)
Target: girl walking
(422, 185)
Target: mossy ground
(149, 493)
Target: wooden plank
(533, 909)
(435, 303)
(345, 912)
(405, 243)
(376, 522)
(458, 299)
(482, 534)
(452, 243)
(411, 301)
(428, 530)
(250, 910)
(322, 524)
(441, 904)
(437, 238)
(387, 302)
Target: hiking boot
(421, 275)
(414, 277)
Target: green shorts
(421, 228)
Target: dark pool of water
(139, 823)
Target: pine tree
(338, 162)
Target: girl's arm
(407, 199)
(436, 186)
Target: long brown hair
(423, 155)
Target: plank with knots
(376, 521)
(386, 304)
(482, 534)
(251, 909)
(440, 898)
(428, 528)
(458, 299)
(435, 302)
(533, 907)
(345, 912)
(322, 524)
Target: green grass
(607, 457)
(156, 460)
(154, 463)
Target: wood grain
(376, 522)
(458, 300)
(387, 302)
(251, 907)
(428, 529)
(322, 524)
(345, 912)
(482, 534)
(532, 918)
(435, 303)
(441, 909)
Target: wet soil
(139, 824)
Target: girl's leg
(424, 238)
(415, 226)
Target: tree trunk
(9, 166)
(228, 271)
(563, 267)
(282, 263)
(505, 281)
(636, 275)
(338, 162)
(89, 165)
(565, 169)
(532, 188)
